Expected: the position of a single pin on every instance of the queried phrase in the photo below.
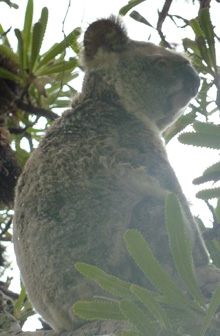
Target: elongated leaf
(200, 140)
(137, 317)
(27, 30)
(208, 30)
(212, 173)
(147, 298)
(108, 282)
(206, 128)
(8, 52)
(9, 75)
(58, 48)
(20, 49)
(36, 43)
(19, 303)
(214, 304)
(139, 250)
(98, 310)
(57, 68)
(43, 20)
(208, 194)
(5, 39)
(180, 247)
(131, 4)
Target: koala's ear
(107, 34)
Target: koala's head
(150, 81)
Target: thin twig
(38, 111)
(162, 16)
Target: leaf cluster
(170, 310)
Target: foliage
(170, 310)
(35, 82)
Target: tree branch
(38, 111)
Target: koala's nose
(191, 78)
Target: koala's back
(73, 203)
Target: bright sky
(188, 162)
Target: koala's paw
(208, 277)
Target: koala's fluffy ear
(107, 34)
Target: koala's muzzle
(191, 79)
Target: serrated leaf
(26, 34)
(141, 253)
(147, 298)
(131, 4)
(214, 304)
(208, 30)
(93, 310)
(43, 20)
(208, 194)
(200, 140)
(37, 38)
(9, 75)
(108, 282)
(137, 317)
(180, 246)
(212, 173)
(206, 128)
(58, 48)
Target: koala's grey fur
(102, 168)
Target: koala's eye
(162, 64)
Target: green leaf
(57, 67)
(9, 75)
(131, 4)
(194, 24)
(58, 48)
(180, 246)
(43, 20)
(5, 39)
(109, 283)
(36, 43)
(20, 49)
(200, 140)
(8, 52)
(98, 310)
(27, 29)
(208, 194)
(19, 303)
(208, 30)
(141, 253)
(206, 128)
(214, 304)
(137, 317)
(147, 298)
(212, 173)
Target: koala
(102, 169)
